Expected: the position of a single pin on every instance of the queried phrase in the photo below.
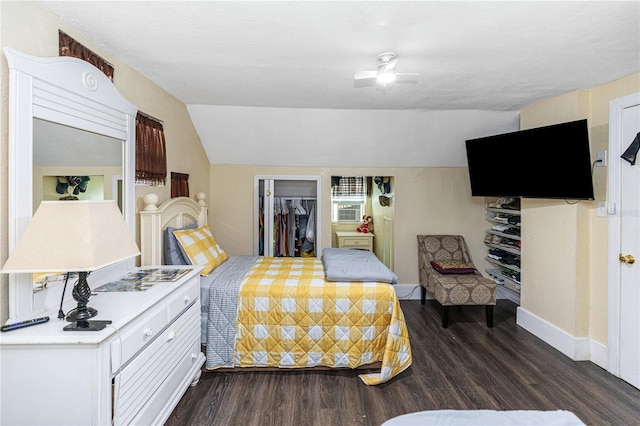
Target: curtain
(349, 187)
(179, 184)
(69, 47)
(151, 154)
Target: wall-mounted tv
(545, 162)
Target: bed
(338, 311)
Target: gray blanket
(355, 265)
(223, 311)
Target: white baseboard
(576, 348)
(599, 354)
(409, 291)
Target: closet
(286, 222)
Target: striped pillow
(201, 248)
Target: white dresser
(132, 372)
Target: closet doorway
(353, 197)
(285, 216)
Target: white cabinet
(285, 208)
(132, 372)
(503, 253)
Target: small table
(355, 240)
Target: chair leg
(423, 295)
(445, 316)
(489, 312)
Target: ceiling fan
(385, 75)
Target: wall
(29, 28)
(426, 200)
(571, 240)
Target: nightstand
(355, 240)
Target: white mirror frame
(74, 93)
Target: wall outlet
(601, 158)
(602, 209)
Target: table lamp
(74, 236)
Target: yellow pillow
(200, 247)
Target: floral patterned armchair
(447, 272)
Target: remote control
(21, 324)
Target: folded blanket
(355, 265)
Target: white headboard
(176, 213)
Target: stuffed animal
(366, 226)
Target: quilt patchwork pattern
(289, 316)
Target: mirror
(62, 151)
(63, 113)
(71, 164)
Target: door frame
(614, 196)
(270, 180)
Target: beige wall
(31, 29)
(571, 241)
(426, 200)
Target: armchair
(462, 285)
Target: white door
(624, 242)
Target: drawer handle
(171, 336)
(148, 331)
(187, 299)
(194, 356)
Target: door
(624, 242)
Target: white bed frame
(154, 219)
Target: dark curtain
(151, 154)
(179, 184)
(69, 47)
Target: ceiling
(478, 55)
(479, 63)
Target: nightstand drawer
(355, 240)
(356, 243)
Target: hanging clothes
(308, 242)
(290, 227)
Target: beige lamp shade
(72, 236)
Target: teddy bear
(366, 226)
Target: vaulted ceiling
(470, 55)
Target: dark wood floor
(466, 366)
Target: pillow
(172, 253)
(200, 247)
(452, 267)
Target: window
(151, 153)
(67, 46)
(348, 198)
(179, 184)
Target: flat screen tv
(545, 162)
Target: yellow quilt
(290, 317)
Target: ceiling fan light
(386, 77)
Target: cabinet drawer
(355, 242)
(134, 339)
(169, 393)
(140, 384)
(187, 294)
